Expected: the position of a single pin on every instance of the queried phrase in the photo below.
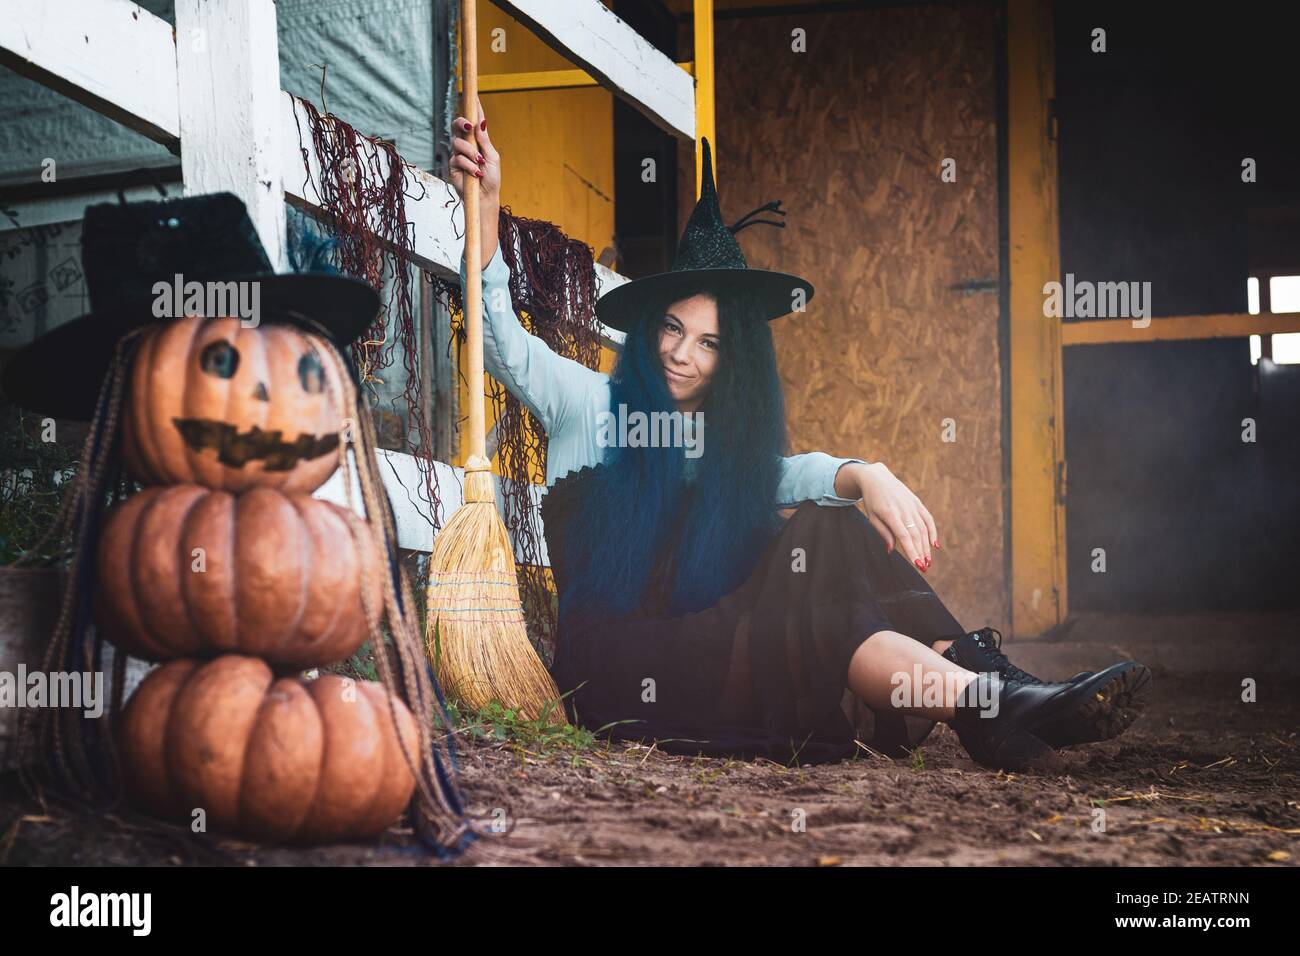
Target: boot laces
(993, 647)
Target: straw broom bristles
(476, 633)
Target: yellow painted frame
(705, 124)
(1227, 325)
(527, 82)
(1039, 598)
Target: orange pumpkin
(215, 403)
(183, 571)
(279, 760)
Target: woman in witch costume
(690, 612)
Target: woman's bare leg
(888, 665)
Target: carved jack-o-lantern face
(215, 403)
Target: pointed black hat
(128, 247)
(708, 257)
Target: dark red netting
(362, 185)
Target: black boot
(1001, 723)
(992, 721)
(982, 651)
(1115, 704)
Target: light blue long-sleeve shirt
(571, 401)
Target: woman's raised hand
(474, 155)
(898, 514)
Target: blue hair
(311, 247)
(645, 532)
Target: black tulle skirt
(763, 672)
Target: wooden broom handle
(473, 245)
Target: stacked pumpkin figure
(226, 569)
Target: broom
(475, 631)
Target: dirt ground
(1202, 778)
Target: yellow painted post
(704, 125)
(1038, 569)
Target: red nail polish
(919, 564)
(468, 126)
(483, 125)
(478, 173)
(481, 159)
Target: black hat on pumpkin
(126, 249)
(708, 256)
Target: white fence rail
(405, 486)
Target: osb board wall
(851, 136)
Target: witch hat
(708, 257)
(129, 248)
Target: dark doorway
(1153, 134)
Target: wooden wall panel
(851, 136)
